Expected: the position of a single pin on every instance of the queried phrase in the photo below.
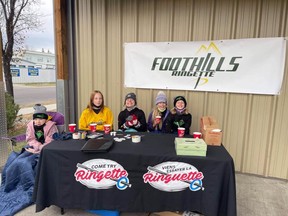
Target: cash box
(190, 146)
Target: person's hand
(135, 122)
(33, 151)
(129, 123)
(157, 121)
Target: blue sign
(33, 72)
(15, 72)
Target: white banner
(244, 66)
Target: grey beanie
(161, 97)
(40, 112)
(132, 96)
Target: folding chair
(58, 118)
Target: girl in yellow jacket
(96, 112)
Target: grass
(19, 128)
(19, 145)
(15, 132)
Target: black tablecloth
(56, 184)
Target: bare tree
(17, 17)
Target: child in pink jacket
(18, 176)
(39, 131)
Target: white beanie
(161, 97)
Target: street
(29, 95)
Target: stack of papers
(190, 146)
(94, 135)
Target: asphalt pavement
(28, 95)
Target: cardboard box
(211, 132)
(208, 122)
(212, 138)
(190, 146)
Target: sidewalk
(30, 110)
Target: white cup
(136, 138)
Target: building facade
(41, 60)
(33, 67)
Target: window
(50, 66)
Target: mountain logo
(212, 46)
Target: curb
(29, 110)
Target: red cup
(181, 132)
(72, 127)
(92, 127)
(158, 119)
(107, 128)
(197, 135)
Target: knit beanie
(161, 97)
(40, 112)
(180, 98)
(132, 96)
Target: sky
(43, 39)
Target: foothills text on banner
(254, 66)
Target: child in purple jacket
(158, 116)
